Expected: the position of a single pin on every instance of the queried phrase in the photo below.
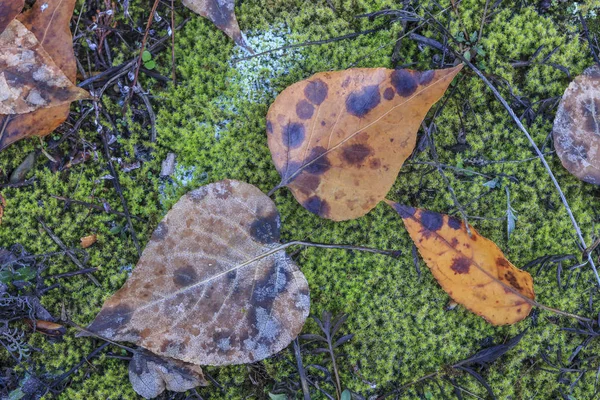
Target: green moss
(214, 120)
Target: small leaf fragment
(471, 269)
(29, 78)
(150, 375)
(87, 241)
(338, 139)
(576, 128)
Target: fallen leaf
(49, 22)
(29, 78)
(9, 9)
(47, 327)
(222, 14)
(339, 139)
(471, 269)
(87, 241)
(19, 173)
(213, 285)
(577, 127)
(151, 375)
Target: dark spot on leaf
(317, 206)
(112, 318)
(319, 163)
(426, 77)
(307, 183)
(375, 163)
(304, 110)
(160, 232)
(404, 82)
(389, 93)
(198, 194)
(266, 229)
(431, 221)
(461, 265)
(502, 262)
(269, 127)
(454, 242)
(293, 135)
(360, 102)
(404, 211)
(454, 223)
(356, 153)
(512, 279)
(592, 118)
(316, 91)
(323, 123)
(185, 276)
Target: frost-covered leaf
(213, 285)
(222, 14)
(338, 139)
(49, 22)
(29, 78)
(471, 269)
(577, 127)
(150, 375)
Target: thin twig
(301, 370)
(72, 273)
(173, 75)
(589, 40)
(146, 101)
(69, 201)
(69, 253)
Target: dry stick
(146, 101)
(173, 44)
(531, 141)
(72, 273)
(589, 40)
(69, 201)
(301, 371)
(66, 250)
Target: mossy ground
(214, 120)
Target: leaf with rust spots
(577, 127)
(214, 285)
(151, 375)
(338, 139)
(471, 269)
(9, 9)
(222, 14)
(49, 22)
(29, 78)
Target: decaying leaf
(471, 269)
(213, 286)
(49, 22)
(338, 139)
(47, 327)
(9, 9)
(151, 375)
(577, 127)
(29, 78)
(222, 14)
(87, 241)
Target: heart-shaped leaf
(49, 22)
(29, 78)
(577, 127)
(338, 139)
(471, 269)
(213, 285)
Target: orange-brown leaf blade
(338, 139)
(222, 14)
(471, 269)
(29, 78)
(9, 9)
(576, 128)
(213, 285)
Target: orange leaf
(471, 269)
(576, 128)
(49, 22)
(9, 9)
(87, 241)
(47, 327)
(222, 14)
(339, 139)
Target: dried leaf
(29, 78)
(577, 127)
(9, 9)
(151, 375)
(213, 286)
(49, 22)
(222, 14)
(338, 139)
(87, 241)
(471, 269)
(47, 327)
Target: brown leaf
(9, 9)
(471, 269)
(49, 22)
(87, 241)
(213, 285)
(577, 127)
(222, 14)
(47, 327)
(338, 139)
(29, 78)
(151, 375)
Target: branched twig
(69, 201)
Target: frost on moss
(214, 120)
